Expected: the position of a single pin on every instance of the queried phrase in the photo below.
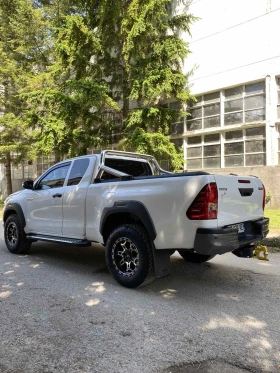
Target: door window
(55, 178)
(77, 171)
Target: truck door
(44, 204)
(74, 197)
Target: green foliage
(75, 44)
(158, 118)
(15, 139)
(274, 218)
(268, 197)
(69, 67)
(23, 44)
(67, 124)
(155, 144)
(66, 101)
(154, 51)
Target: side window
(77, 171)
(133, 168)
(55, 178)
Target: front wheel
(129, 256)
(194, 257)
(15, 237)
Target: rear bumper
(215, 241)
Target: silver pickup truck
(138, 211)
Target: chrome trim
(112, 171)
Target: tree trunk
(125, 93)
(8, 174)
(56, 157)
(83, 150)
(125, 109)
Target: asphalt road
(60, 311)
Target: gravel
(61, 311)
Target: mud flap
(161, 262)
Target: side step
(70, 241)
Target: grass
(274, 216)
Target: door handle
(57, 195)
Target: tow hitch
(260, 253)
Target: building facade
(234, 125)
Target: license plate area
(240, 227)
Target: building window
(204, 151)
(244, 147)
(241, 104)
(16, 172)
(245, 104)
(177, 142)
(27, 170)
(44, 162)
(177, 126)
(20, 171)
(205, 113)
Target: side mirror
(27, 184)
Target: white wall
(235, 41)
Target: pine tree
(67, 100)
(69, 67)
(21, 52)
(155, 144)
(15, 144)
(154, 53)
(140, 57)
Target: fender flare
(161, 257)
(134, 207)
(12, 206)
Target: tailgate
(240, 199)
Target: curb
(271, 241)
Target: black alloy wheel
(129, 255)
(15, 237)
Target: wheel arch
(14, 209)
(126, 212)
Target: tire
(129, 256)
(15, 237)
(194, 257)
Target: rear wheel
(15, 237)
(194, 257)
(129, 256)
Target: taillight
(264, 195)
(205, 205)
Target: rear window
(77, 171)
(133, 168)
